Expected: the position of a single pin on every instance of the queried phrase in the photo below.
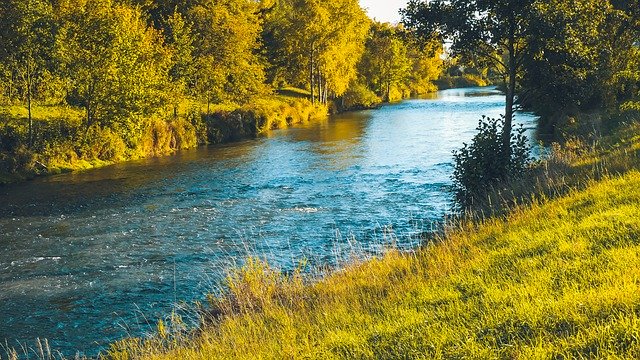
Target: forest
(91, 82)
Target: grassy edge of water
(67, 146)
(554, 277)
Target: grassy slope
(556, 279)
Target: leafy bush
(482, 164)
(464, 81)
(358, 96)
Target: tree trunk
(510, 99)
(388, 91)
(312, 77)
(319, 82)
(29, 80)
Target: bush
(358, 96)
(482, 164)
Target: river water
(90, 257)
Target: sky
(384, 10)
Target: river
(89, 257)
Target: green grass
(41, 113)
(554, 279)
(292, 92)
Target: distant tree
(340, 54)
(316, 43)
(493, 30)
(27, 38)
(386, 61)
(427, 64)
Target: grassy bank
(62, 142)
(555, 278)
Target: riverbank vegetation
(88, 83)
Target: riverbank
(556, 278)
(63, 143)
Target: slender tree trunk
(510, 99)
(388, 91)
(319, 82)
(312, 76)
(29, 80)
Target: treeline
(581, 57)
(557, 58)
(576, 63)
(107, 80)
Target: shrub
(358, 96)
(482, 164)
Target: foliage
(319, 44)
(225, 41)
(492, 32)
(115, 65)
(482, 165)
(581, 58)
(358, 96)
(260, 116)
(26, 48)
(386, 62)
(395, 62)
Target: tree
(116, 65)
(27, 35)
(343, 48)
(179, 40)
(427, 64)
(579, 56)
(316, 43)
(386, 60)
(226, 42)
(493, 30)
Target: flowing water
(90, 257)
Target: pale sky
(384, 10)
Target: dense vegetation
(84, 83)
(560, 59)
